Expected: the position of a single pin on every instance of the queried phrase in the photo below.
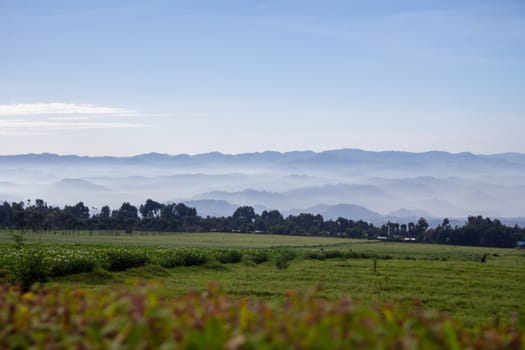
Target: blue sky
(128, 77)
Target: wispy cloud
(53, 125)
(44, 118)
(60, 108)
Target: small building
(521, 245)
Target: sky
(110, 77)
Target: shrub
(229, 256)
(18, 238)
(194, 257)
(72, 266)
(120, 259)
(183, 257)
(28, 267)
(257, 256)
(283, 259)
(171, 259)
(336, 254)
(314, 255)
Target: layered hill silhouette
(347, 182)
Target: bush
(194, 257)
(257, 256)
(283, 259)
(72, 266)
(171, 259)
(314, 256)
(336, 254)
(331, 254)
(18, 238)
(229, 256)
(28, 267)
(120, 260)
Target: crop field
(265, 268)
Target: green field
(473, 293)
(175, 240)
(445, 278)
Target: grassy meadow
(445, 278)
(174, 240)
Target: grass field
(174, 240)
(445, 278)
(473, 293)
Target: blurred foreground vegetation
(140, 318)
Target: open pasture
(174, 240)
(244, 240)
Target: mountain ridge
(437, 182)
(330, 152)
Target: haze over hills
(354, 183)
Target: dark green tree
(244, 219)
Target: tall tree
(151, 209)
(244, 218)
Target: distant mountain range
(374, 186)
(218, 208)
(299, 159)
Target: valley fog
(356, 184)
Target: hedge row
(35, 263)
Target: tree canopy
(178, 217)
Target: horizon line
(253, 153)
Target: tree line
(38, 216)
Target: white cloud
(71, 117)
(44, 118)
(64, 125)
(60, 108)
